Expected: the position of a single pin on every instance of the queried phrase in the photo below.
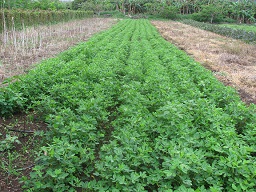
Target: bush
(209, 13)
(168, 12)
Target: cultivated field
(128, 111)
(232, 61)
(20, 50)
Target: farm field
(23, 48)
(249, 28)
(128, 111)
(232, 61)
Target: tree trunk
(130, 8)
(123, 8)
(212, 16)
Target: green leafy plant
(7, 143)
(136, 114)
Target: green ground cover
(248, 28)
(128, 111)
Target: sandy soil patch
(232, 61)
(19, 50)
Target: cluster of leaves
(18, 18)
(243, 11)
(127, 111)
(33, 4)
(247, 36)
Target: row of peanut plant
(128, 111)
(235, 33)
(18, 18)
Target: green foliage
(8, 142)
(76, 4)
(32, 4)
(249, 28)
(168, 12)
(37, 17)
(242, 11)
(209, 13)
(128, 111)
(236, 33)
(10, 101)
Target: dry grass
(232, 61)
(19, 50)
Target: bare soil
(18, 158)
(20, 50)
(232, 61)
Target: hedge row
(37, 17)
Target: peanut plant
(128, 111)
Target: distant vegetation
(33, 4)
(19, 18)
(243, 11)
(248, 28)
(17, 14)
(213, 11)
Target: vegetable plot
(127, 111)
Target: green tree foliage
(77, 4)
(210, 13)
(243, 11)
(33, 4)
(48, 4)
(20, 17)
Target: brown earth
(232, 61)
(17, 157)
(20, 50)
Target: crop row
(18, 18)
(127, 111)
(247, 36)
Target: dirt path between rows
(232, 61)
